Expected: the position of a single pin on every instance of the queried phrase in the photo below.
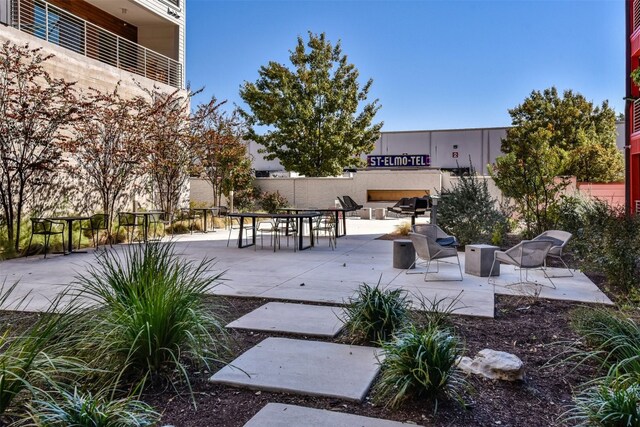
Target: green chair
(46, 228)
(95, 223)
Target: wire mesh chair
(526, 255)
(46, 228)
(95, 223)
(428, 250)
(129, 221)
(327, 225)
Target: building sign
(404, 160)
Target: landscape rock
(495, 365)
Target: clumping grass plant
(34, 356)
(404, 228)
(376, 313)
(152, 320)
(435, 312)
(420, 363)
(613, 340)
(607, 405)
(83, 409)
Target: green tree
(527, 173)
(316, 125)
(577, 128)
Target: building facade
(632, 131)
(98, 43)
(445, 149)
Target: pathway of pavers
(302, 319)
(280, 415)
(304, 367)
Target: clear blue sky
(435, 64)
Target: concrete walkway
(315, 275)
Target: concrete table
(478, 260)
(380, 213)
(404, 254)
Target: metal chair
(269, 226)
(130, 221)
(559, 239)
(436, 233)
(526, 255)
(429, 250)
(326, 223)
(95, 223)
(46, 228)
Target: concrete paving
(303, 319)
(304, 367)
(315, 275)
(281, 415)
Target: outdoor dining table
(69, 220)
(214, 211)
(145, 218)
(299, 218)
(340, 231)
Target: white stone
(493, 364)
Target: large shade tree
(35, 112)
(551, 137)
(315, 115)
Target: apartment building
(632, 130)
(98, 43)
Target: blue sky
(435, 64)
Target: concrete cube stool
(478, 260)
(380, 213)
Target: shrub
(468, 211)
(151, 316)
(376, 313)
(420, 364)
(272, 202)
(79, 409)
(436, 312)
(607, 405)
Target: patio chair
(437, 233)
(428, 250)
(95, 223)
(269, 226)
(189, 216)
(348, 207)
(234, 224)
(154, 221)
(559, 239)
(129, 221)
(46, 228)
(526, 255)
(352, 203)
(326, 224)
(288, 227)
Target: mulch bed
(528, 327)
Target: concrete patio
(315, 275)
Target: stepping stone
(314, 320)
(304, 367)
(280, 415)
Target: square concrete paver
(304, 367)
(281, 415)
(305, 319)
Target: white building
(445, 149)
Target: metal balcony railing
(176, 3)
(55, 25)
(636, 15)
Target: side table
(478, 260)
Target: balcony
(55, 25)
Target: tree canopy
(316, 117)
(551, 137)
(585, 135)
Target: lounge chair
(429, 250)
(526, 255)
(559, 239)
